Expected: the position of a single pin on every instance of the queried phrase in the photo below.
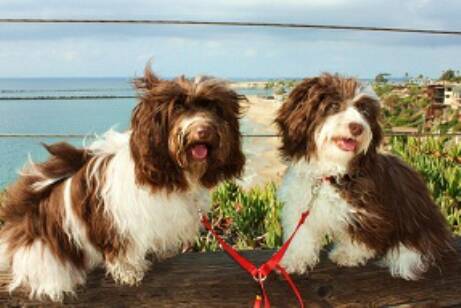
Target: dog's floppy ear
(295, 120)
(376, 129)
(149, 135)
(230, 161)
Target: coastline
(263, 161)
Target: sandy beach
(259, 84)
(263, 163)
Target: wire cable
(229, 24)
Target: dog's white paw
(127, 274)
(128, 277)
(299, 264)
(342, 256)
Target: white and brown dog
(371, 204)
(127, 194)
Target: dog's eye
(178, 107)
(367, 107)
(364, 109)
(365, 112)
(216, 109)
(332, 107)
(211, 106)
(206, 104)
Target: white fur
(31, 169)
(4, 260)
(37, 267)
(77, 231)
(158, 223)
(405, 262)
(187, 122)
(135, 210)
(337, 125)
(347, 252)
(329, 214)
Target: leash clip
(259, 277)
(200, 214)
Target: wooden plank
(213, 280)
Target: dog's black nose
(356, 128)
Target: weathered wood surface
(213, 280)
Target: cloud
(76, 49)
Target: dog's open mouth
(199, 151)
(346, 144)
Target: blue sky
(30, 50)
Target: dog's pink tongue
(199, 151)
(347, 144)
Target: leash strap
(260, 274)
(242, 261)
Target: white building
(453, 95)
(448, 94)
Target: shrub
(251, 219)
(245, 219)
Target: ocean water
(85, 106)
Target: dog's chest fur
(159, 222)
(303, 188)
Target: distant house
(447, 94)
(453, 95)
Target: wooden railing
(213, 280)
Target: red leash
(259, 274)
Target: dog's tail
(36, 181)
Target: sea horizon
(65, 106)
(391, 78)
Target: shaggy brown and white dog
(371, 204)
(127, 194)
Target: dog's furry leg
(38, 268)
(303, 253)
(127, 268)
(405, 263)
(347, 252)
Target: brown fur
(38, 214)
(308, 104)
(395, 195)
(162, 104)
(30, 214)
(88, 206)
(401, 204)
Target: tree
(269, 85)
(448, 75)
(280, 90)
(381, 77)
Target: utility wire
(229, 24)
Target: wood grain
(213, 280)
